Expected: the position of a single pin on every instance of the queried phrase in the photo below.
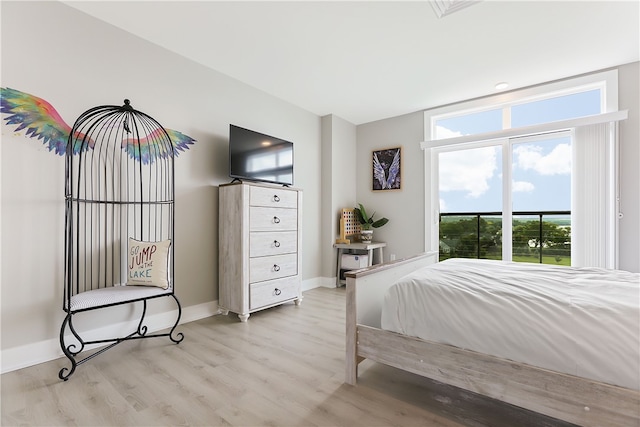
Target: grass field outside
(549, 260)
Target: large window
(472, 199)
(558, 107)
(502, 183)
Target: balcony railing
(537, 236)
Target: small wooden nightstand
(370, 248)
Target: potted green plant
(367, 223)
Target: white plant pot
(366, 236)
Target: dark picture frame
(387, 169)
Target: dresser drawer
(272, 219)
(273, 197)
(272, 267)
(265, 243)
(273, 292)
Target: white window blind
(594, 196)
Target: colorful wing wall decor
(43, 122)
(38, 117)
(146, 149)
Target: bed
(573, 386)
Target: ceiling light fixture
(502, 85)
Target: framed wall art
(387, 169)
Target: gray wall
(629, 99)
(76, 62)
(338, 183)
(405, 232)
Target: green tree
(527, 236)
(459, 237)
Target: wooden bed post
(362, 306)
(351, 365)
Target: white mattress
(579, 321)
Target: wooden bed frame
(566, 397)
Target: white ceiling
(369, 60)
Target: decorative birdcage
(119, 223)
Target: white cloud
(443, 205)
(442, 132)
(557, 162)
(522, 187)
(467, 170)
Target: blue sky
(471, 180)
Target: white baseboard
(44, 351)
(317, 282)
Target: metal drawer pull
(277, 291)
(276, 243)
(276, 220)
(276, 267)
(276, 198)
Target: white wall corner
(317, 282)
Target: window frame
(606, 81)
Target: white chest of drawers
(259, 247)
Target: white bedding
(580, 321)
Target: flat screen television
(254, 156)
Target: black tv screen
(255, 156)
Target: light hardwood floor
(284, 367)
